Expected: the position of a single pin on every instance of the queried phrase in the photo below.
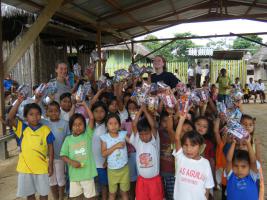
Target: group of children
(114, 145)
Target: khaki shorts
(119, 177)
(58, 176)
(87, 188)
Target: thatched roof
(139, 49)
(260, 57)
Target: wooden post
(132, 51)
(3, 145)
(98, 42)
(29, 37)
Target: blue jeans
(223, 97)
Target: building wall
(260, 73)
(37, 65)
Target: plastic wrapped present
(139, 95)
(181, 88)
(203, 94)
(169, 99)
(120, 75)
(90, 70)
(237, 130)
(162, 85)
(184, 103)
(135, 70)
(94, 56)
(152, 103)
(52, 88)
(221, 107)
(194, 98)
(41, 88)
(87, 87)
(229, 103)
(24, 90)
(149, 70)
(80, 94)
(234, 114)
(47, 100)
(153, 88)
(77, 70)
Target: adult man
(251, 87)
(260, 87)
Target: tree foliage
(176, 51)
(241, 43)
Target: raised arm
(11, 117)
(150, 121)
(90, 114)
(136, 119)
(252, 156)
(229, 157)
(170, 122)
(118, 93)
(96, 97)
(217, 131)
(178, 132)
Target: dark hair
(241, 155)
(187, 121)
(113, 115)
(54, 103)
(163, 115)
(223, 70)
(209, 135)
(245, 116)
(29, 107)
(65, 95)
(194, 137)
(143, 125)
(74, 117)
(102, 105)
(35, 87)
(127, 108)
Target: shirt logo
(145, 160)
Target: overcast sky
(218, 27)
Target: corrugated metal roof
(126, 19)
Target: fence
(235, 68)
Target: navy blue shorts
(102, 176)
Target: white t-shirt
(190, 72)
(199, 69)
(147, 155)
(123, 115)
(64, 115)
(192, 178)
(98, 131)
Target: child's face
(99, 114)
(191, 150)
(163, 122)
(202, 126)
(78, 127)
(53, 113)
(241, 168)
(186, 128)
(113, 107)
(248, 125)
(113, 125)
(66, 104)
(145, 136)
(132, 108)
(33, 117)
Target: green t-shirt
(79, 148)
(224, 82)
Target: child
(193, 175)
(36, 142)
(60, 130)
(132, 109)
(242, 173)
(66, 106)
(146, 142)
(114, 149)
(77, 152)
(246, 93)
(99, 110)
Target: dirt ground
(8, 175)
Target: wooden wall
(38, 63)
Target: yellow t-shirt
(33, 148)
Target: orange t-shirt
(221, 160)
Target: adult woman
(159, 64)
(224, 85)
(61, 80)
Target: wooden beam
(98, 43)
(173, 8)
(29, 37)
(132, 51)
(130, 9)
(115, 5)
(3, 145)
(250, 7)
(245, 3)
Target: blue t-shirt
(60, 129)
(242, 188)
(7, 84)
(119, 157)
